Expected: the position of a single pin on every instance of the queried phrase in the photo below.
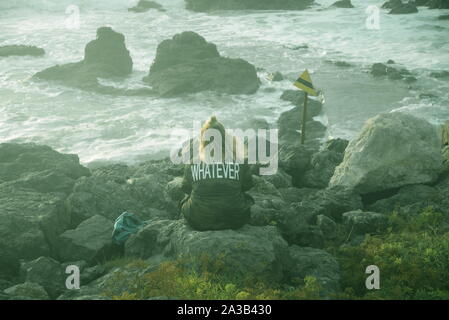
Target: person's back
(217, 190)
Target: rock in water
(391, 4)
(90, 241)
(144, 5)
(405, 8)
(438, 4)
(392, 150)
(343, 4)
(210, 5)
(106, 56)
(249, 251)
(21, 50)
(187, 63)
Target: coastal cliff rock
(187, 63)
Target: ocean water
(102, 128)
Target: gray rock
(292, 194)
(360, 222)
(316, 263)
(391, 4)
(323, 164)
(408, 195)
(392, 150)
(31, 222)
(211, 5)
(328, 227)
(109, 195)
(27, 291)
(90, 241)
(199, 68)
(343, 4)
(20, 160)
(145, 5)
(249, 251)
(47, 273)
(405, 8)
(106, 56)
(20, 50)
(174, 189)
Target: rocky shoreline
(55, 212)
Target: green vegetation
(412, 255)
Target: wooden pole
(304, 116)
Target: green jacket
(217, 198)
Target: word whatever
(204, 171)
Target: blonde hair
(235, 148)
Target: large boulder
(104, 57)
(18, 161)
(34, 181)
(26, 291)
(46, 272)
(21, 50)
(210, 5)
(438, 4)
(318, 264)
(187, 63)
(405, 8)
(390, 4)
(90, 241)
(247, 252)
(392, 150)
(323, 164)
(362, 222)
(343, 4)
(113, 189)
(145, 5)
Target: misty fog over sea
(133, 128)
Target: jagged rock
(295, 161)
(328, 226)
(440, 74)
(20, 50)
(145, 5)
(19, 160)
(343, 4)
(27, 291)
(316, 263)
(90, 241)
(114, 189)
(324, 163)
(31, 222)
(391, 4)
(277, 76)
(380, 69)
(279, 180)
(249, 251)
(211, 5)
(174, 189)
(438, 4)
(47, 273)
(405, 8)
(361, 222)
(333, 202)
(408, 195)
(292, 194)
(392, 150)
(106, 56)
(199, 68)
(289, 122)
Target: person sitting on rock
(216, 180)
